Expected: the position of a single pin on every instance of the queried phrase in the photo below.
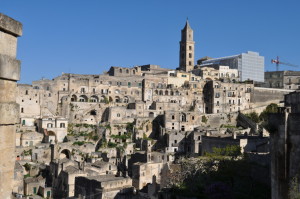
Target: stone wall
(9, 109)
(261, 96)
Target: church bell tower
(186, 52)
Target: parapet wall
(262, 96)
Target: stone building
(104, 186)
(247, 143)
(53, 128)
(285, 162)
(10, 30)
(221, 97)
(283, 79)
(217, 72)
(187, 49)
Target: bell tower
(186, 52)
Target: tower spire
(186, 52)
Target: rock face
(9, 109)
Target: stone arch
(156, 92)
(52, 138)
(94, 98)
(126, 99)
(83, 98)
(102, 99)
(166, 92)
(183, 117)
(74, 98)
(151, 115)
(161, 92)
(65, 153)
(110, 99)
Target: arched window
(183, 117)
(126, 100)
(127, 71)
(120, 70)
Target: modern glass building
(251, 65)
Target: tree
(271, 108)
(294, 192)
(253, 116)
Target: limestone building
(283, 79)
(187, 49)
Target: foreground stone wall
(9, 109)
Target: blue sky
(87, 37)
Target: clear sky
(87, 37)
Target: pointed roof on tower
(187, 25)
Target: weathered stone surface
(7, 91)
(7, 159)
(7, 138)
(10, 25)
(8, 44)
(9, 113)
(9, 68)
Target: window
(190, 63)
(140, 84)
(190, 55)
(26, 92)
(173, 117)
(127, 71)
(62, 125)
(118, 115)
(120, 70)
(22, 110)
(129, 84)
(190, 47)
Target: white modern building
(250, 65)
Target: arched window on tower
(183, 117)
